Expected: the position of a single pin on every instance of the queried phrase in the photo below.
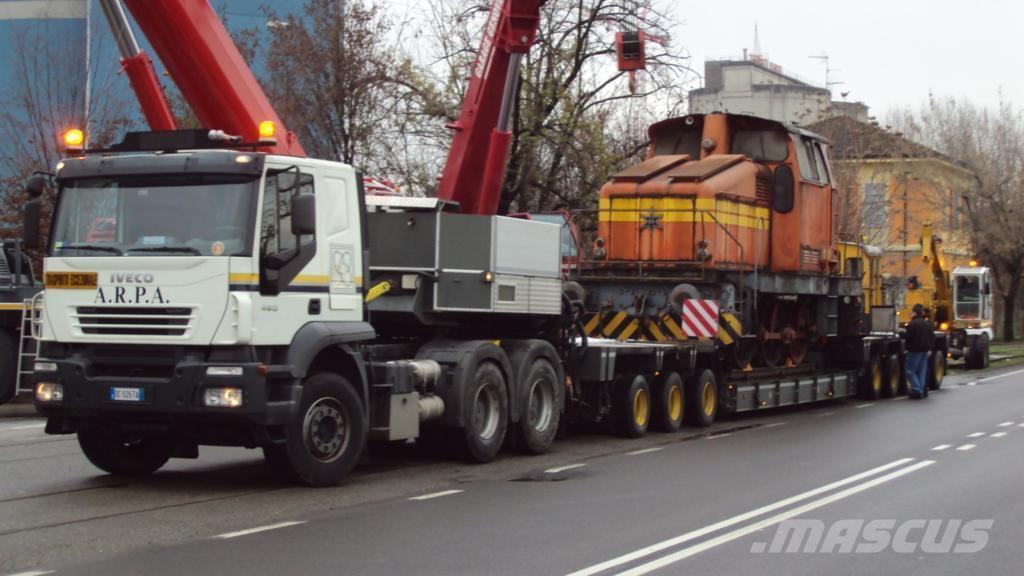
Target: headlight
(228, 397)
(49, 392)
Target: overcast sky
(889, 53)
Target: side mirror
(304, 214)
(783, 189)
(34, 189)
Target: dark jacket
(920, 335)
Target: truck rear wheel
(123, 455)
(871, 381)
(702, 399)
(891, 377)
(8, 366)
(936, 369)
(486, 413)
(631, 406)
(977, 354)
(324, 442)
(541, 408)
(668, 402)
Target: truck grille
(135, 321)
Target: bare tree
(991, 143)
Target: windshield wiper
(188, 249)
(97, 247)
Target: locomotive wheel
(773, 351)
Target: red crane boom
(204, 62)
(482, 133)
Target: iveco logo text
(131, 278)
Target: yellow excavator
(959, 302)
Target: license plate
(127, 394)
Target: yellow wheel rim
(709, 399)
(641, 407)
(675, 403)
(940, 368)
(876, 378)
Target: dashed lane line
(1006, 424)
(976, 435)
(942, 447)
(644, 451)
(998, 434)
(966, 447)
(441, 494)
(33, 573)
(558, 469)
(775, 424)
(868, 405)
(258, 529)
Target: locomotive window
(761, 145)
(685, 141)
(807, 160)
(783, 190)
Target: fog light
(45, 366)
(49, 392)
(224, 371)
(230, 397)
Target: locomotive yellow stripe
(591, 326)
(659, 336)
(670, 323)
(628, 330)
(610, 328)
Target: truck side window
(276, 223)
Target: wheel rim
(876, 378)
(641, 407)
(485, 412)
(894, 377)
(541, 409)
(326, 430)
(675, 403)
(709, 399)
(940, 368)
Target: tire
(871, 381)
(485, 413)
(936, 369)
(631, 406)
(669, 402)
(541, 407)
(891, 377)
(702, 399)
(123, 455)
(324, 442)
(8, 366)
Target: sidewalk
(18, 408)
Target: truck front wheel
(8, 365)
(324, 442)
(123, 455)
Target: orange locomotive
(723, 235)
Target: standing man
(920, 336)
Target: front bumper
(172, 399)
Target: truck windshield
(193, 214)
(568, 243)
(968, 297)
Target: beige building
(756, 86)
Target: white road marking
(942, 447)
(258, 529)
(1006, 424)
(644, 451)
(869, 405)
(972, 383)
(653, 548)
(436, 495)
(976, 435)
(23, 427)
(775, 424)
(1020, 425)
(760, 525)
(33, 573)
(998, 376)
(966, 447)
(558, 469)
(998, 434)
(826, 414)
(900, 398)
(722, 435)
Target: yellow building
(888, 187)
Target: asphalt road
(666, 504)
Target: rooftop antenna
(829, 83)
(757, 41)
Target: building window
(875, 210)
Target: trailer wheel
(977, 354)
(871, 381)
(541, 407)
(891, 377)
(8, 366)
(327, 437)
(702, 399)
(631, 406)
(669, 403)
(936, 369)
(123, 455)
(486, 413)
